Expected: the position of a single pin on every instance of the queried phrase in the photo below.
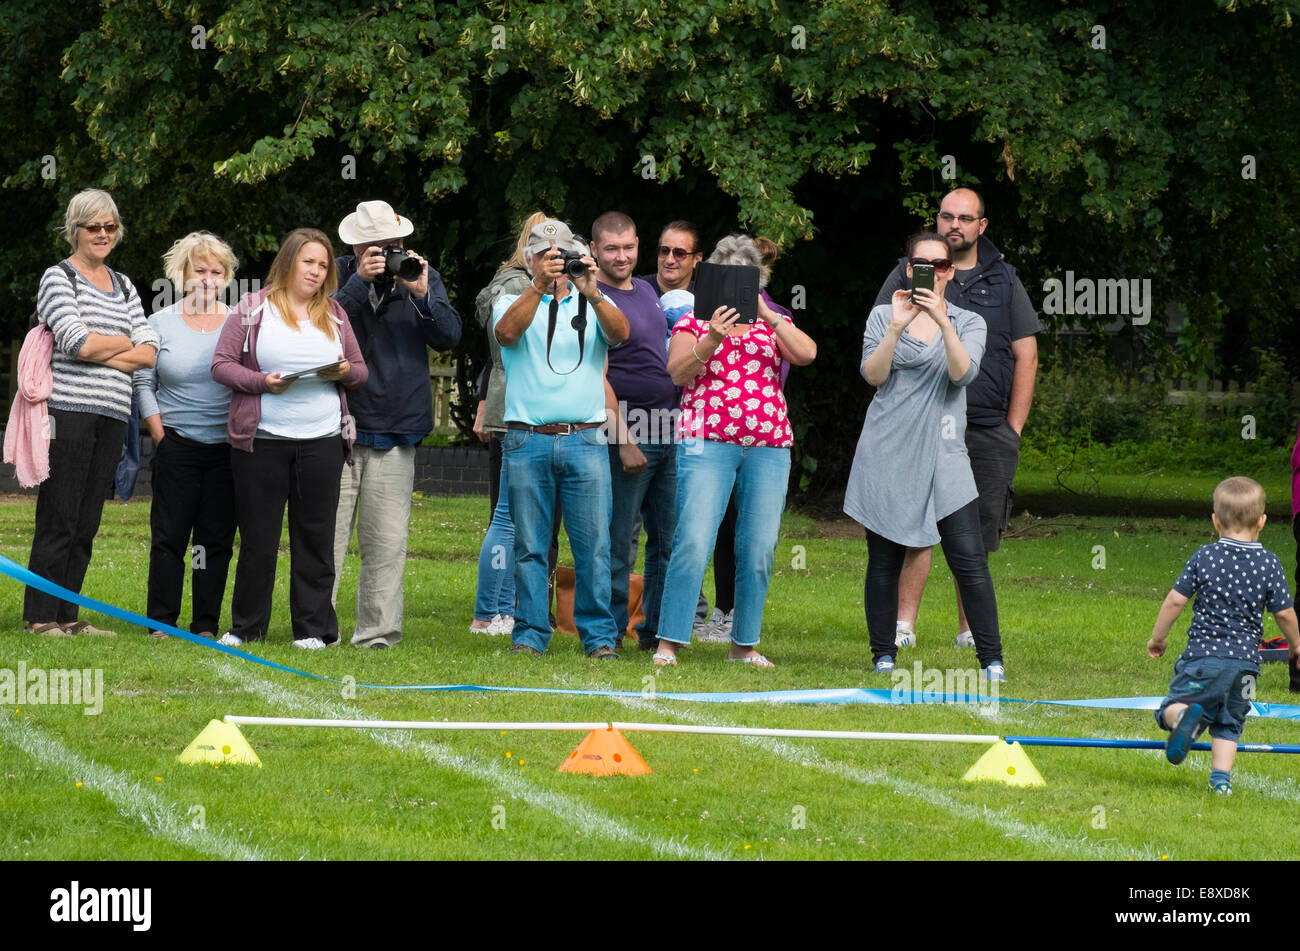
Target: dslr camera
(399, 262)
(573, 265)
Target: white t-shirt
(309, 408)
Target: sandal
(758, 660)
(664, 660)
(49, 629)
(85, 628)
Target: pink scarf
(27, 438)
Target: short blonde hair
(87, 205)
(1239, 503)
(195, 245)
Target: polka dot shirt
(1233, 583)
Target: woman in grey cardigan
(911, 483)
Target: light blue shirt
(536, 394)
(180, 387)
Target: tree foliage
(1109, 138)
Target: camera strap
(579, 324)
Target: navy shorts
(1223, 687)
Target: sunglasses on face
(939, 264)
(109, 228)
(679, 254)
(948, 218)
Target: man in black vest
(997, 402)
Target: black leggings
(963, 548)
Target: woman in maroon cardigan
(287, 353)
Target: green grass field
(109, 786)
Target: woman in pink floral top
(734, 431)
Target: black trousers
(963, 548)
(724, 560)
(1295, 531)
(305, 474)
(85, 449)
(193, 496)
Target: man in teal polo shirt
(554, 357)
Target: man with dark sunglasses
(997, 402)
(679, 252)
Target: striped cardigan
(82, 387)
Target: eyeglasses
(948, 219)
(939, 264)
(109, 228)
(677, 253)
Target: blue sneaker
(1221, 788)
(1181, 736)
(885, 665)
(996, 673)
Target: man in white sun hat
(397, 306)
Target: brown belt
(554, 429)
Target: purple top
(785, 364)
(1295, 475)
(638, 368)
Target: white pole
(413, 724)
(603, 725)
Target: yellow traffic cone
(1005, 763)
(219, 743)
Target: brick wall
(439, 470)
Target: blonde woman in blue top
(186, 411)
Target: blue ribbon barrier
(848, 695)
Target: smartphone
(922, 276)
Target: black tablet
(726, 285)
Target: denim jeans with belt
(576, 467)
(706, 473)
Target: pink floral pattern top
(738, 397)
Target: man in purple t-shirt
(641, 408)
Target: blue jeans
(496, 561)
(576, 465)
(657, 488)
(706, 474)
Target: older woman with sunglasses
(100, 338)
(911, 483)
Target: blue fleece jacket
(397, 400)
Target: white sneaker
(230, 640)
(904, 636)
(501, 625)
(310, 643)
(965, 639)
(718, 628)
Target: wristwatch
(602, 297)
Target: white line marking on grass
(1033, 833)
(566, 808)
(1285, 789)
(162, 818)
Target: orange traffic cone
(605, 753)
